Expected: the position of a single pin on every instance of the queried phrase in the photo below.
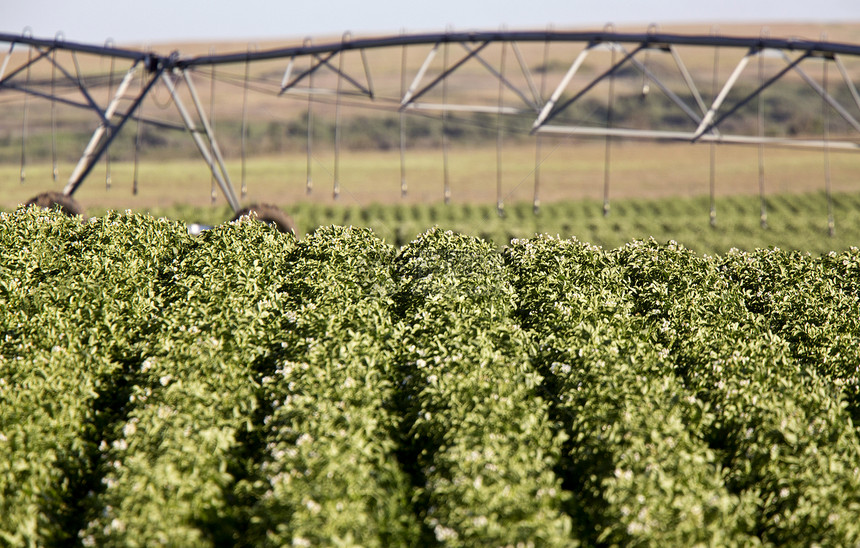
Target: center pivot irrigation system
(540, 83)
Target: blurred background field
(795, 222)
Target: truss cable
(446, 182)
(539, 137)
(535, 101)
(137, 138)
(712, 186)
(763, 215)
(54, 167)
(500, 204)
(825, 113)
(213, 194)
(244, 182)
(109, 43)
(403, 188)
(309, 183)
(608, 139)
(23, 172)
(163, 105)
(646, 83)
(337, 121)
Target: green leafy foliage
(479, 431)
(329, 461)
(636, 455)
(247, 388)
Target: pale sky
(155, 21)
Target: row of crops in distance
(794, 221)
(244, 387)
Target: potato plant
(244, 387)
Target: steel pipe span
(648, 39)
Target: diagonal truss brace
(668, 92)
(45, 53)
(829, 99)
(534, 104)
(709, 122)
(219, 171)
(30, 62)
(288, 84)
(850, 83)
(549, 111)
(412, 95)
(556, 95)
(707, 129)
(106, 132)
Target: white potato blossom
(625, 475)
(560, 368)
(130, 427)
(444, 533)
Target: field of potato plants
(244, 387)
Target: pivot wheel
(57, 200)
(269, 214)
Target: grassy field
(569, 170)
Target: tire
(271, 215)
(57, 200)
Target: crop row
(483, 445)
(756, 444)
(795, 221)
(638, 483)
(247, 388)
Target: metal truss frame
(354, 80)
